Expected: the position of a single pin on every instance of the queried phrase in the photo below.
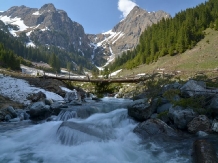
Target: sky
(98, 16)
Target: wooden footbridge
(99, 80)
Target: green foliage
(54, 63)
(162, 114)
(197, 103)
(8, 59)
(42, 53)
(102, 88)
(216, 25)
(153, 86)
(171, 94)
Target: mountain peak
(48, 7)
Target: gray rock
(154, 127)
(72, 133)
(164, 107)
(48, 101)
(181, 116)
(215, 126)
(214, 105)
(204, 152)
(39, 111)
(86, 111)
(153, 116)
(7, 117)
(193, 87)
(11, 110)
(14, 120)
(40, 96)
(201, 134)
(200, 123)
(56, 107)
(140, 110)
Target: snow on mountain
(14, 21)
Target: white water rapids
(41, 143)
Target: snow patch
(45, 29)
(36, 13)
(18, 90)
(81, 52)
(28, 33)
(14, 21)
(66, 89)
(115, 73)
(142, 74)
(30, 44)
(120, 34)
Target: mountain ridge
(49, 26)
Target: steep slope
(125, 35)
(202, 58)
(47, 26)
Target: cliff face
(125, 35)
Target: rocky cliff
(125, 35)
(47, 26)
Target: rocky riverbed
(166, 117)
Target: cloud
(125, 6)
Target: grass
(203, 57)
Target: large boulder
(204, 152)
(200, 123)
(193, 87)
(181, 116)
(72, 133)
(140, 110)
(39, 111)
(154, 127)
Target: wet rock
(40, 96)
(56, 107)
(200, 123)
(215, 126)
(86, 111)
(193, 87)
(204, 152)
(7, 117)
(11, 110)
(14, 120)
(154, 127)
(181, 116)
(72, 96)
(141, 110)
(48, 101)
(39, 111)
(75, 103)
(22, 114)
(201, 133)
(72, 133)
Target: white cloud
(125, 6)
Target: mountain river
(104, 137)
